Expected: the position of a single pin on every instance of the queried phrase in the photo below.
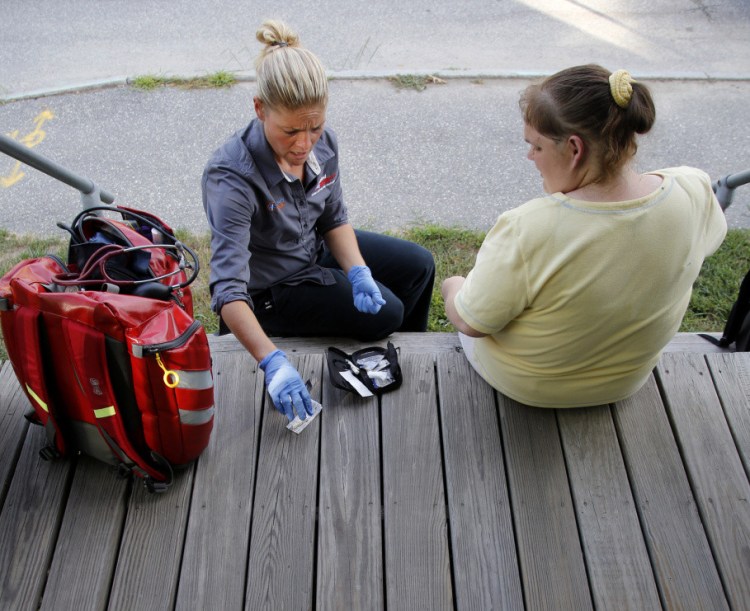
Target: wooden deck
(442, 495)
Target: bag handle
(146, 219)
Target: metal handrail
(725, 186)
(91, 194)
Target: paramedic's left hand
(285, 386)
(367, 296)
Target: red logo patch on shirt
(323, 182)
(273, 206)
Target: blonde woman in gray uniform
(285, 259)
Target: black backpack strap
(717, 342)
(737, 316)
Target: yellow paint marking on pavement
(31, 139)
(15, 175)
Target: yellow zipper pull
(171, 378)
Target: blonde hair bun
(274, 33)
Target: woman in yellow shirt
(574, 294)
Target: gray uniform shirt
(267, 227)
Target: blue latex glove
(285, 386)
(367, 296)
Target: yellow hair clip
(620, 85)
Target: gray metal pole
(725, 186)
(90, 193)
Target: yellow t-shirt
(579, 298)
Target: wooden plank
(13, 405)
(485, 566)
(282, 543)
(680, 555)
(693, 342)
(417, 560)
(549, 550)
(218, 534)
(422, 343)
(151, 549)
(87, 546)
(29, 523)
(731, 373)
(619, 568)
(714, 467)
(427, 343)
(350, 542)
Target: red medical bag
(106, 347)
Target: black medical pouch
(375, 368)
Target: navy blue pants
(404, 271)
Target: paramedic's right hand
(285, 386)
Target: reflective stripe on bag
(37, 398)
(196, 417)
(195, 380)
(105, 412)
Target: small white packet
(356, 384)
(297, 426)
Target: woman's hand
(288, 391)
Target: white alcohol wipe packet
(356, 384)
(297, 425)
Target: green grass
(716, 288)
(201, 244)
(149, 82)
(417, 82)
(15, 248)
(454, 251)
